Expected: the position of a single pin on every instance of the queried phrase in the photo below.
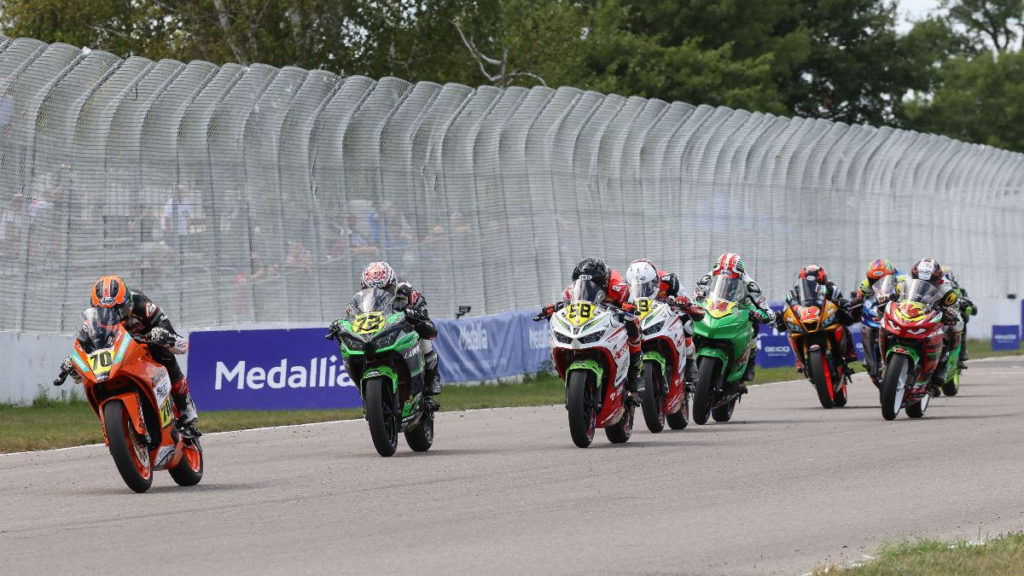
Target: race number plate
(579, 313)
(644, 307)
(368, 322)
(101, 360)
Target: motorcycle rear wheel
(724, 413)
(189, 470)
(681, 419)
(421, 438)
(916, 410)
(129, 450)
(952, 386)
(380, 415)
(620, 432)
(816, 365)
(708, 376)
(579, 400)
(898, 372)
(652, 401)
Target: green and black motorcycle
(725, 340)
(382, 352)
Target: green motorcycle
(725, 340)
(951, 385)
(382, 353)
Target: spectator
(177, 213)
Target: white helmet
(642, 278)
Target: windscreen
(730, 289)
(810, 293)
(919, 291)
(373, 300)
(884, 286)
(586, 290)
(99, 328)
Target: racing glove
(334, 330)
(546, 312)
(167, 339)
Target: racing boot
(690, 375)
(633, 377)
(188, 417)
(431, 375)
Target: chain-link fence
(236, 195)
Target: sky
(915, 9)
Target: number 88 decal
(580, 312)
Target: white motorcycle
(665, 349)
(590, 352)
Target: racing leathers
(763, 314)
(617, 295)
(147, 323)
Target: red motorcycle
(911, 341)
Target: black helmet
(595, 268)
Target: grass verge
(1003, 556)
(59, 423)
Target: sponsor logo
(163, 456)
(777, 349)
(1005, 338)
(539, 338)
(473, 337)
(320, 373)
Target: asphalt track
(781, 489)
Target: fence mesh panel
(254, 195)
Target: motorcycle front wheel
(816, 365)
(894, 384)
(127, 447)
(708, 375)
(380, 414)
(652, 401)
(579, 400)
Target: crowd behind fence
(254, 195)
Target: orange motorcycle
(816, 336)
(131, 394)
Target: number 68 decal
(579, 313)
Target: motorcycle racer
(930, 270)
(967, 309)
(381, 275)
(730, 264)
(644, 271)
(814, 275)
(878, 269)
(145, 321)
(617, 295)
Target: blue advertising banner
(774, 351)
(268, 370)
(1005, 337)
(299, 369)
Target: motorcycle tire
(130, 453)
(816, 366)
(898, 372)
(724, 413)
(189, 470)
(421, 438)
(620, 432)
(652, 402)
(951, 387)
(841, 398)
(384, 423)
(708, 375)
(916, 410)
(681, 419)
(579, 400)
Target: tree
(996, 22)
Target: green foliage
(836, 59)
(1000, 557)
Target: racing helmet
(729, 263)
(595, 268)
(111, 292)
(814, 272)
(379, 275)
(927, 269)
(880, 268)
(643, 272)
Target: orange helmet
(112, 292)
(880, 268)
